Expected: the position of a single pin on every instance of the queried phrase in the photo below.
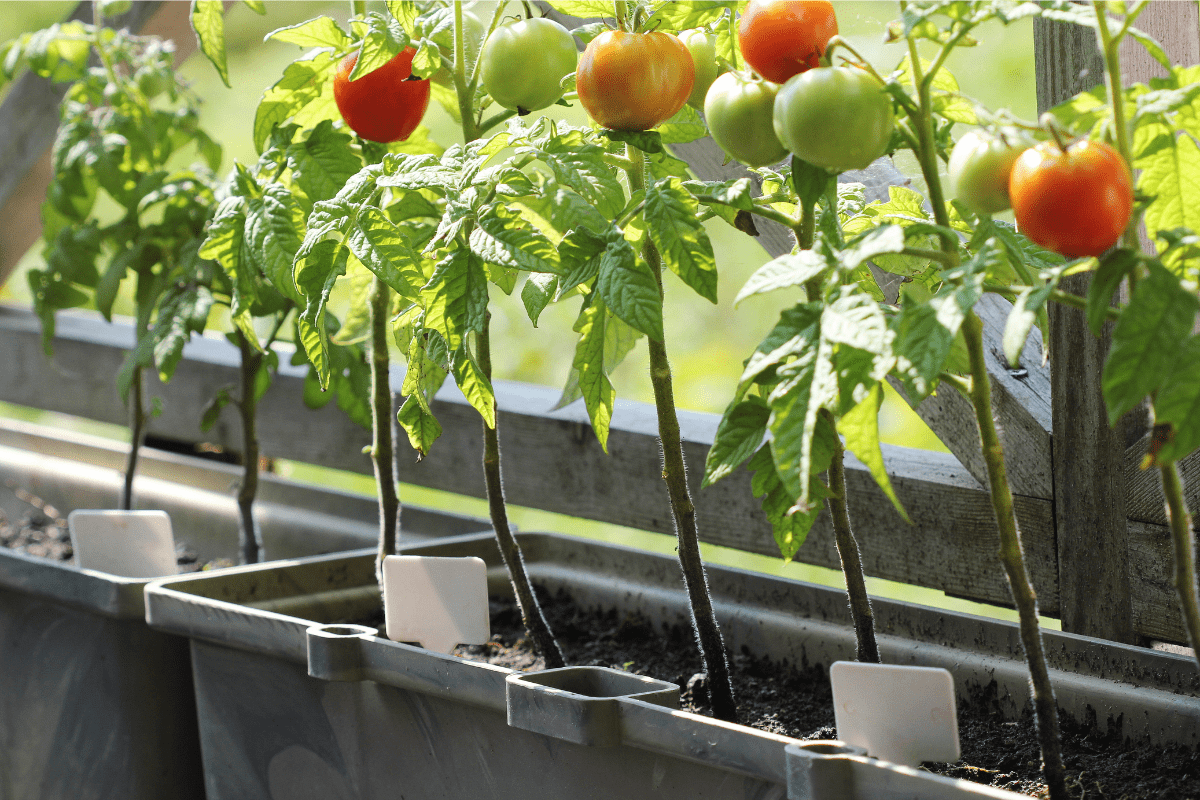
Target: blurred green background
(707, 342)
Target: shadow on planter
(299, 704)
(93, 703)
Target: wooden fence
(1093, 524)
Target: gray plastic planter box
(94, 704)
(295, 703)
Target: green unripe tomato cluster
(522, 64)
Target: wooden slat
(1089, 495)
(1155, 604)
(551, 459)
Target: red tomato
(782, 38)
(634, 81)
(1076, 203)
(385, 105)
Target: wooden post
(1086, 454)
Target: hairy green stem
(510, 550)
(465, 107)
(1013, 559)
(848, 552)
(1045, 706)
(766, 212)
(137, 434)
(248, 541)
(382, 441)
(704, 620)
(1184, 546)
(1109, 46)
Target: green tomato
(703, 47)
(115, 8)
(740, 114)
(837, 118)
(980, 165)
(522, 64)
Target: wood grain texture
(552, 461)
(1089, 497)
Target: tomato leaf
(422, 427)
(208, 22)
(322, 162)
(789, 525)
(1113, 268)
(792, 269)
(384, 40)
(319, 32)
(671, 216)
(646, 141)
(303, 83)
(809, 181)
(1178, 405)
(686, 126)
(860, 426)
(1146, 340)
(797, 326)
(739, 435)
(475, 386)
(807, 384)
(584, 9)
(503, 238)
(381, 247)
(589, 378)
(536, 294)
(629, 287)
(456, 297)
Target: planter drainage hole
(345, 630)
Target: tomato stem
(251, 362)
(1110, 47)
(731, 21)
(137, 432)
(1184, 546)
(382, 440)
(708, 633)
(465, 108)
(1050, 123)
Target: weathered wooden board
(551, 459)
(1089, 497)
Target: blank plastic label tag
(436, 601)
(131, 544)
(905, 715)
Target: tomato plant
(522, 64)
(703, 47)
(740, 115)
(838, 118)
(385, 105)
(1075, 202)
(980, 166)
(782, 38)
(634, 81)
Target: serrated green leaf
(536, 294)
(319, 32)
(1169, 174)
(502, 237)
(588, 365)
(810, 182)
(208, 22)
(797, 326)
(582, 167)
(791, 269)
(384, 40)
(1178, 405)
(304, 83)
(322, 162)
(1021, 319)
(475, 386)
(679, 16)
(456, 297)
(671, 216)
(789, 525)
(740, 434)
(580, 253)
(383, 249)
(422, 427)
(811, 383)
(685, 126)
(1146, 340)
(630, 288)
(584, 9)
(860, 426)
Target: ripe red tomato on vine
(1076, 203)
(782, 38)
(634, 81)
(386, 104)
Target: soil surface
(796, 701)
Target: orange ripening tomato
(1076, 203)
(385, 105)
(634, 81)
(782, 38)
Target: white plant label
(905, 715)
(436, 601)
(131, 544)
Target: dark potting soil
(795, 700)
(41, 531)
